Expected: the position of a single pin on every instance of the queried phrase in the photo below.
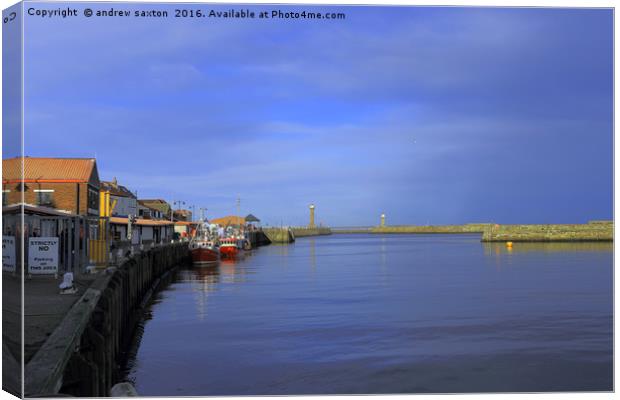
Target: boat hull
(229, 251)
(205, 256)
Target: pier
(81, 355)
(289, 234)
(597, 231)
(310, 231)
(421, 229)
(593, 231)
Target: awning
(140, 221)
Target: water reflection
(280, 248)
(202, 280)
(558, 252)
(312, 244)
(496, 248)
(383, 254)
(383, 267)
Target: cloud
(423, 113)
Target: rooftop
(228, 220)
(115, 189)
(156, 204)
(43, 169)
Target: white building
(125, 201)
(145, 233)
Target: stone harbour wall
(592, 231)
(82, 356)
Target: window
(44, 197)
(93, 199)
(5, 197)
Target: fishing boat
(229, 248)
(204, 247)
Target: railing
(76, 242)
(121, 250)
(69, 241)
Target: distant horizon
(197, 214)
(431, 115)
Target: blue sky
(431, 115)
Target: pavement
(44, 309)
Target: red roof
(228, 220)
(41, 169)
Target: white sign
(8, 253)
(43, 255)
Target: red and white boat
(204, 247)
(228, 248)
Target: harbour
(298, 199)
(347, 314)
(94, 262)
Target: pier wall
(422, 229)
(467, 228)
(258, 238)
(305, 231)
(289, 234)
(279, 235)
(592, 231)
(82, 356)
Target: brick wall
(64, 197)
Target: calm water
(384, 314)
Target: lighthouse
(382, 220)
(311, 225)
